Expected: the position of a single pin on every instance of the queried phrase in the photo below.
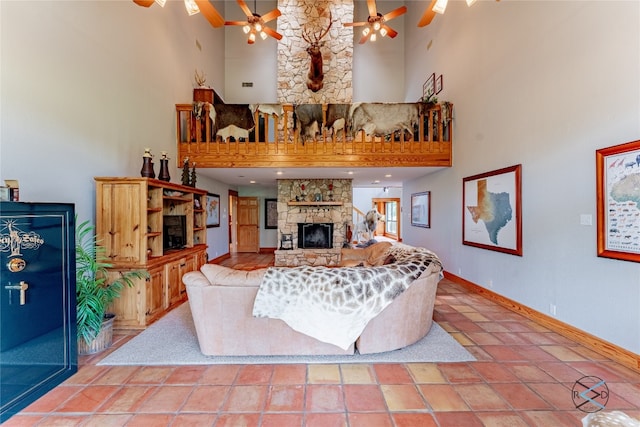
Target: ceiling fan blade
(371, 4)
(354, 24)
(276, 35)
(364, 39)
(428, 15)
(245, 8)
(271, 15)
(395, 13)
(390, 31)
(243, 23)
(215, 19)
(144, 3)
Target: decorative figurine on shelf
(164, 168)
(194, 178)
(185, 171)
(330, 192)
(349, 235)
(192, 182)
(147, 164)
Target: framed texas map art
(492, 210)
(618, 201)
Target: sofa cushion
(225, 276)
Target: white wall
(378, 68)
(257, 63)
(542, 84)
(87, 85)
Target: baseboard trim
(605, 348)
(220, 258)
(267, 250)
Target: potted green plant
(95, 291)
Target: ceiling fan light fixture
(376, 25)
(252, 37)
(373, 37)
(258, 27)
(469, 2)
(246, 29)
(383, 32)
(440, 6)
(191, 6)
(366, 31)
(263, 35)
(161, 2)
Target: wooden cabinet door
(154, 294)
(127, 307)
(248, 224)
(173, 280)
(122, 222)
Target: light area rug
(172, 341)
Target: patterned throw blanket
(334, 305)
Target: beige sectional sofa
(221, 301)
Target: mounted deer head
(316, 74)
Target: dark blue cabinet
(38, 343)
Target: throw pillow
(390, 259)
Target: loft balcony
(274, 143)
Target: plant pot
(102, 342)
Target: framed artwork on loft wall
(213, 210)
(492, 210)
(270, 213)
(421, 209)
(618, 201)
(429, 87)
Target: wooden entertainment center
(132, 223)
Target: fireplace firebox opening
(315, 235)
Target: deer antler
(319, 36)
(327, 30)
(200, 78)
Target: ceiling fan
(255, 24)
(375, 23)
(436, 6)
(193, 7)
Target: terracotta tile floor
(523, 377)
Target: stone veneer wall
(337, 52)
(291, 190)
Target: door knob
(22, 287)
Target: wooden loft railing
(274, 143)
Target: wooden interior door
(248, 224)
(233, 222)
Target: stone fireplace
(316, 213)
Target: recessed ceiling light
(377, 181)
(350, 173)
(279, 173)
(388, 175)
(252, 182)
